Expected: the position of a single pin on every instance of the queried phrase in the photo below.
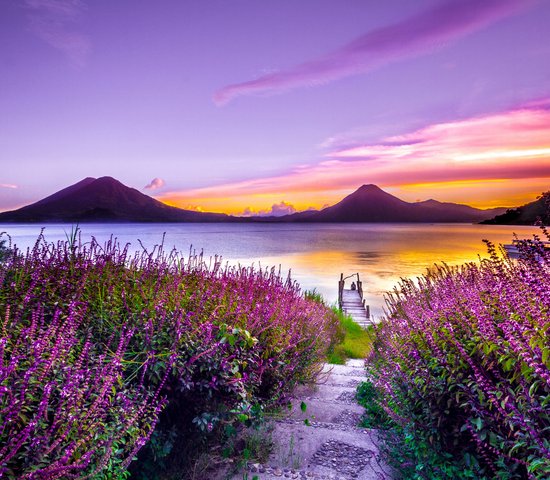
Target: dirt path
(331, 446)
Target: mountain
(371, 204)
(104, 200)
(107, 200)
(527, 214)
(458, 210)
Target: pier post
(340, 291)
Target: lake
(315, 254)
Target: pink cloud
(8, 185)
(509, 145)
(276, 210)
(155, 183)
(49, 20)
(493, 138)
(427, 31)
(283, 208)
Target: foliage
(375, 416)
(461, 368)
(315, 296)
(252, 445)
(355, 342)
(96, 342)
(5, 250)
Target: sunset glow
(274, 107)
(501, 159)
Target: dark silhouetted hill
(527, 214)
(104, 200)
(371, 204)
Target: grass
(356, 343)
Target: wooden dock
(351, 301)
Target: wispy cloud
(422, 33)
(8, 185)
(509, 146)
(155, 183)
(51, 20)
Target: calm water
(316, 254)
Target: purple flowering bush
(63, 411)
(100, 347)
(460, 369)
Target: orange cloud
(505, 155)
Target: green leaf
(533, 387)
(303, 407)
(534, 464)
(478, 422)
(242, 417)
(517, 446)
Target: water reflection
(394, 252)
(315, 254)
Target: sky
(271, 107)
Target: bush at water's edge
(98, 347)
(459, 376)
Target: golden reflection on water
(394, 252)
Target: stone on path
(331, 446)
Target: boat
(513, 251)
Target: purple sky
(184, 95)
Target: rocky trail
(319, 438)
